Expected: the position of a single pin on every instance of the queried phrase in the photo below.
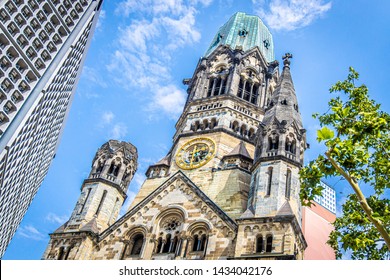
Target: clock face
(195, 153)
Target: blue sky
(131, 86)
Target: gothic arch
(259, 243)
(169, 227)
(134, 242)
(170, 210)
(220, 67)
(273, 141)
(269, 243)
(291, 143)
(199, 232)
(252, 69)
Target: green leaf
(324, 134)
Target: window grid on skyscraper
(42, 45)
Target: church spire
(283, 104)
(281, 132)
(274, 190)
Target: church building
(229, 186)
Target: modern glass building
(43, 45)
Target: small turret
(102, 195)
(104, 192)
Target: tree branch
(362, 199)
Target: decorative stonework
(228, 187)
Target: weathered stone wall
(284, 240)
(176, 200)
(109, 209)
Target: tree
(356, 134)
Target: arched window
(273, 142)
(240, 88)
(247, 91)
(213, 123)
(167, 244)
(288, 184)
(169, 227)
(199, 233)
(111, 170)
(217, 86)
(290, 145)
(60, 253)
(251, 132)
(268, 248)
(174, 244)
(293, 145)
(99, 167)
(235, 126)
(101, 202)
(138, 241)
(205, 124)
(63, 253)
(116, 170)
(195, 243)
(269, 181)
(210, 89)
(85, 200)
(223, 86)
(196, 126)
(199, 243)
(202, 242)
(259, 244)
(255, 94)
(243, 130)
(159, 245)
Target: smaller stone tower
(102, 195)
(270, 228)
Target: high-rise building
(317, 225)
(227, 189)
(43, 45)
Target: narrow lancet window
(259, 244)
(268, 248)
(288, 184)
(101, 202)
(269, 181)
(85, 201)
(137, 241)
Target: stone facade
(228, 187)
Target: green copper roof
(245, 32)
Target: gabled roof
(164, 161)
(248, 213)
(285, 210)
(178, 175)
(91, 226)
(61, 228)
(240, 151)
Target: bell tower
(228, 188)
(102, 195)
(227, 93)
(104, 191)
(272, 221)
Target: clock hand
(193, 155)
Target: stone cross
(286, 59)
